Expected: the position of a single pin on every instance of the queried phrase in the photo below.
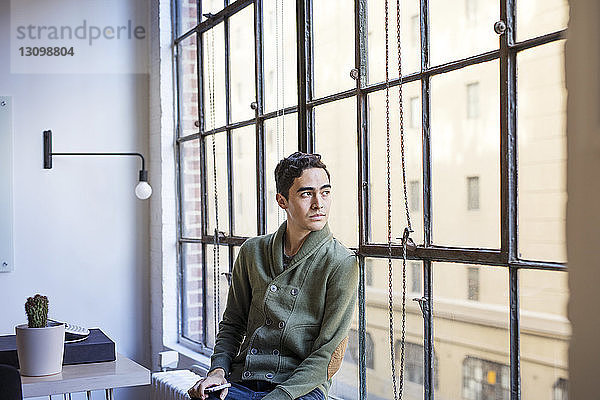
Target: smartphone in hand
(217, 388)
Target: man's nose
(317, 202)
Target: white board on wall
(6, 179)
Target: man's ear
(281, 201)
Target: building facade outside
(471, 315)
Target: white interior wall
(81, 237)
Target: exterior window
(473, 100)
(457, 85)
(351, 354)
(473, 193)
(414, 195)
(415, 112)
(415, 281)
(369, 272)
(471, 10)
(416, 30)
(413, 363)
(560, 390)
(485, 380)
(473, 283)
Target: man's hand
(214, 378)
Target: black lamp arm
(48, 154)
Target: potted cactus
(40, 345)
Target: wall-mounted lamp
(143, 190)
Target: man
(291, 300)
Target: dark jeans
(239, 392)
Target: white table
(88, 377)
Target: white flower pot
(40, 350)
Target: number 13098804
(46, 51)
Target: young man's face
(307, 208)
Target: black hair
(291, 168)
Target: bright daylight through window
(484, 124)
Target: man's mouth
(317, 216)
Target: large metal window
(259, 79)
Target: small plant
(36, 308)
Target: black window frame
(506, 256)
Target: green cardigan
(288, 327)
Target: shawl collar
(311, 244)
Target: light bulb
(143, 190)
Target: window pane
(191, 205)
(187, 13)
(335, 133)
(214, 77)
(462, 30)
(244, 180)
(410, 39)
(545, 332)
(241, 51)
(379, 381)
(471, 337)
(220, 197)
(538, 17)
(192, 289)
(462, 147)
(378, 170)
(542, 158)
(333, 46)
(188, 87)
(216, 296)
(277, 146)
(279, 54)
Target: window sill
(195, 357)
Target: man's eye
(305, 194)
(325, 193)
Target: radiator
(173, 385)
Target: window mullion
(362, 329)
(361, 64)
(261, 194)
(304, 69)
(427, 304)
(228, 120)
(508, 182)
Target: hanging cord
(282, 46)
(279, 86)
(406, 241)
(408, 229)
(389, 203)
(216, 274)
(402, 115)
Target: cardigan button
(281, 324)
(254, 351)
(294, 291)
(275, 352)
(273, 288)
(247, 374)
(269, 375)
(269, 321)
